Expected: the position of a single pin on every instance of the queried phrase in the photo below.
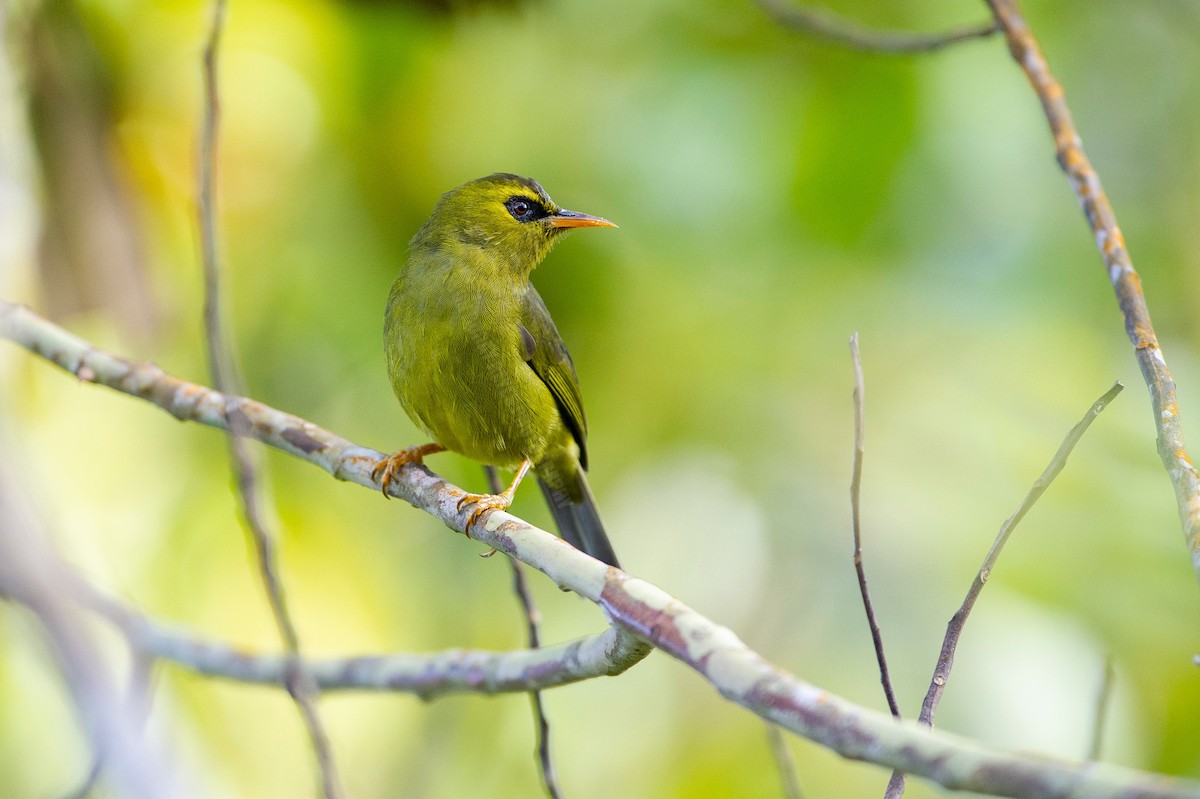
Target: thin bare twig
(1127, 284)
(220, 365)
(300, 685)
(945, 662)
(1103, 695)
(826, 25)
(532, 620)
(784, 762)
(855, 522)
(645, 611)
(895, 786)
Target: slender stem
(855, 523)
(300, 685)
(218, 365)
(895, 786)
(532, 620)
(824, 24)
(945, 662)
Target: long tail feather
(579, 521)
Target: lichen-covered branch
(1125, 280)
(716, 653)
(427, 675)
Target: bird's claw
(483, 503)
(388, 468)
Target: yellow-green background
(774, 194)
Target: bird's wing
(548, 356)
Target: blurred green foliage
(774, 194)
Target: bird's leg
(385, 471)
(501, 501)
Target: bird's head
(510, 217)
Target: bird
(476, 360)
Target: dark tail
(579, 521)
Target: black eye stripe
(525, 209)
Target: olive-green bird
(475, 358)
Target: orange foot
(486, 502)
(385, 471)
(483, 503)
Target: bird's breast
(456, 362)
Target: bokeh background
(775, 194)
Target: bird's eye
(524, 209)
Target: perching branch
(1125, 280)
(824, 24)
(733, 669)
